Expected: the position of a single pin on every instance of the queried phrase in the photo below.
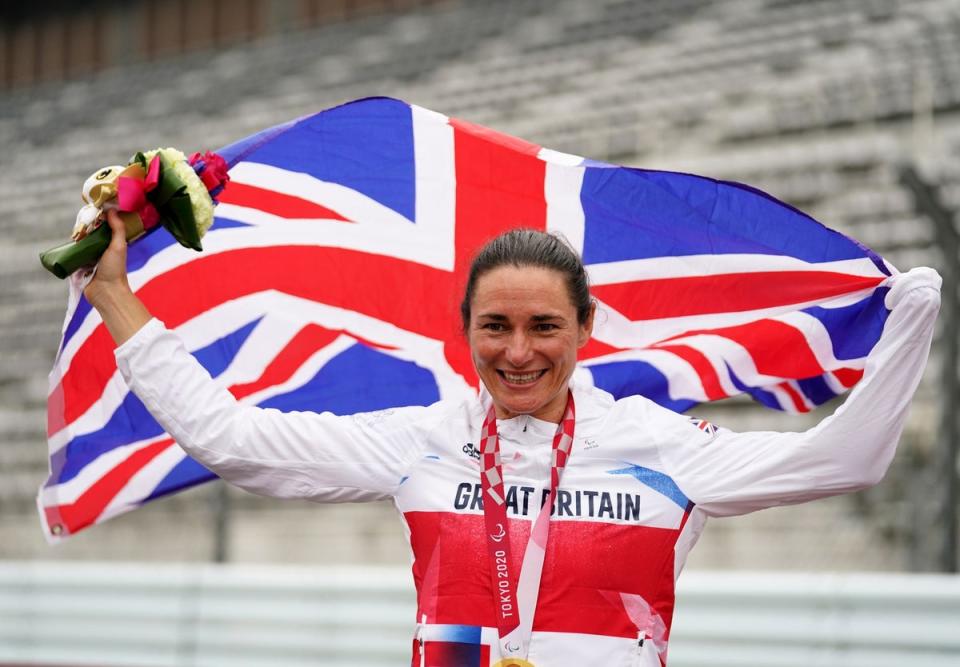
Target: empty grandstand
(820, 103)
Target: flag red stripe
(307, 341)
(848, 376)
(596, 348)
(703, 368)
(328, 275)
(55, 411)
(85, 510)
(470, 136)
(488, 162)
(727, 293)
(777, 348)
(798, 403)
(82, 388)
(275, 203)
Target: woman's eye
(493, 326)
(545, 326)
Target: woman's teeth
(521, 378)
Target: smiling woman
(526, 311)
(524, 336)
(557, 539)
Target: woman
(629, 484)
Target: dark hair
(530, 247)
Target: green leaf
(64, 259)
(168, 184)
(177, 216)
(140, 159)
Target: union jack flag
(330, 280)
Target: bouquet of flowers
(159, 188)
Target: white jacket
(634, 498)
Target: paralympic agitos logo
(499, 535)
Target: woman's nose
(519, 350)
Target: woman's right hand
(109, 291)
(111, 274)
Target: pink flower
(132, 194)
(212, 170)
(218, 166)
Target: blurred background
(847, 109)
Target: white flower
(200, 199)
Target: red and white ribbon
(515, 597)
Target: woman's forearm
(109, 292)
(122, 311)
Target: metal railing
(145, 614)
(944, 519)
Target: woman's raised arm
(109, 292)
(291, 455)
(735, 473)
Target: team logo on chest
(703, 425)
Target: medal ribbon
(515, 597)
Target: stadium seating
(817, 102)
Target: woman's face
(524, 337)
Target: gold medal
(513, 662)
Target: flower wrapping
(158, 188)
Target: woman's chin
(509, 407)
(539, 406)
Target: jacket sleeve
(283, 454)
(735, 473)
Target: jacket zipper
(641, 637)
(419, 639)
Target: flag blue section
(463, 634)
(129, 423)
(79, 315)
(216, 356)
(185, 474)
(365, 145)
(361, 379)
(817, 390)
(220, 222)
(144, 249)
(856, 328)
(761, 396)
(638, 214)
(631, 378)
(238, 150)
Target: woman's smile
(517, 378)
